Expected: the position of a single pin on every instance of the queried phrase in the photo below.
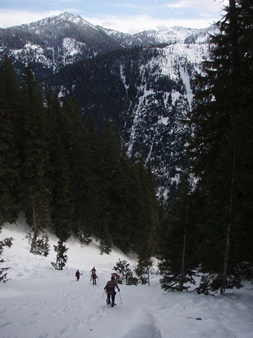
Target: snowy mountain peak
(59, 22)
(76, 19)
(175, 34)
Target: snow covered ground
(40, 302)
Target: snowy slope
(39, 301)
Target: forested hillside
(143, 94)
(63, 172)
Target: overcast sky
(129, 16)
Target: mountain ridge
(143, 82)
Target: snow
(41, 302)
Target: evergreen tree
(74, 144)
(143, 271)
(10, 199)
(61, 256)
(125, 203)
(62, 207)
(179, 243)
(7, 242)
(92, 176)
(41, 245)
(149, 208)
(110, 157)
(124, 274)
(220, 151)
(35, 155)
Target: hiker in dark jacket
(110, 290)
(78, 274)
(93, 270)
(94, 278)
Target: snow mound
(143, 326)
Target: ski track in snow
(67, 308)
(41, 302)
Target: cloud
(212, 5)
(9, 18)
(124, 23)
(135, 24)
(126, 5)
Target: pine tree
(143, 270)
(62, 206)
(7, 242)
(61, 256)
(10, 192)
(91, 184)
(35, 155)
(146, 225)
(74, 144)
(125, 202)
(124, 274)
(218, 152)
(179, 243)
(110, 157)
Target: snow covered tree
(61, 256)
(124, 273)
(143, 271)
(41, 246)
(7, 242)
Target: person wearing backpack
(94, 278)
(110, 290)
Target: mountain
(166, 36)
(143, 82)
(54, 42)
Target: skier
(94, 277)
(78, 275)
(93, 270)
(110, 290)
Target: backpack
(110, 286)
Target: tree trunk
(181, 284)
(230, 211)
(35, 229)
(234, 36)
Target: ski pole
(120, 298)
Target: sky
(41, 302)
(126, 16)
